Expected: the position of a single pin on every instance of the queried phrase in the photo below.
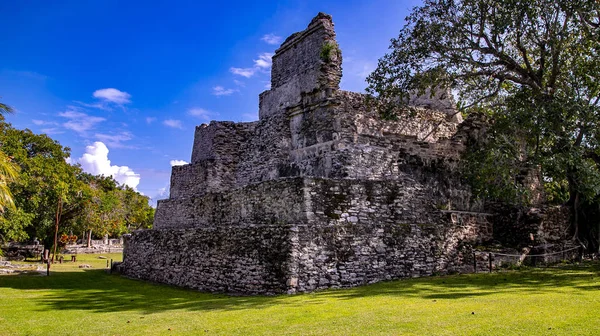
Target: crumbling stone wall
(320, 192)
(249, 260)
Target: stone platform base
(298, 258)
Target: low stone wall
(302, 258)
(349, 255)
(248, 260)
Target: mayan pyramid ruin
(320, 192)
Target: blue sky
(137, 76)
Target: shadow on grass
(94, 290)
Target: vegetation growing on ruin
(474, 304)
(329, 50)
(532, 68)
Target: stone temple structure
(319, 193)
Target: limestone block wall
(317, 201)
(249, 260)
(202, 177)
(299, 67)
(548, 226)
(220, 140)
(264, 151)
(273, 202)
(273, 259)
(350, 255)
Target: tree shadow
(96, 291)
(577, 278)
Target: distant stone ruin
(320, 192)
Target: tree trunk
(573, 202)
(89, 238)
(58, 212)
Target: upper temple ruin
(320, 192)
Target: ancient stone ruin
(320, 192)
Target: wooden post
(490, 260)
(474, 262)
(48, 267)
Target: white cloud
(271, 39)
(150, 120)
(263, 61)
(239, 83)
(115, 140)
(113, 95)
(101, 105)
(173, 123)
(95, 161)
(43, 122)
(261, 64)
(178, 163)
(51, 130)
(221, 91)
(244, 72)
(200, 113)
(78, 121)
(163, 192)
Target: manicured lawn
(73, 301)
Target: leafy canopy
(533, 66)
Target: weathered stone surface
(320, 192)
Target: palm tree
(8, 170)
(4, 109)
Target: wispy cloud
(150, 120)
(113, 95)
(201, 113)
(239, 83)
(263, 61)
(99, 105)
(78, 121)
(221, 91)
(244, 72)
(43, 122)
(261, 64)
(51, 130)
(173, 123)
(115, 140)
(177, 163)
(271, 39)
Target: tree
(47, 187)
(4, 109)
(532, 66)
(8, 170)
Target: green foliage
(532, 66)
(48, 184)
(329, 50)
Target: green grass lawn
(73, 301)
